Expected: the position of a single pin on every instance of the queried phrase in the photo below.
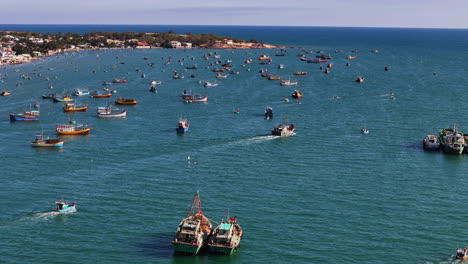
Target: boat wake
(257, 139)
(46, 215)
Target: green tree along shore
(27, 42)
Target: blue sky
(355, 13)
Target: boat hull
(15, 117)
(56, 145)
(101, 95)
(122, 114)
(186, 248)
(182, 130)
(222, 250)
(70, 209)
(76, 132)
(82, 109)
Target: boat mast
(196, 203)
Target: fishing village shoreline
(24, 47)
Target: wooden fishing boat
(297, 94)
(351, 57)
(122, 101)
(107, 112)
(101, 95)
(196, 99)
(461, 254)
(72, 129)
(65, 98)
(300, 73)
(273, 78)
(31, 115)
(71, 107)
(5, 93)
(221, 76)
(193, 231)
(284, 130)
(48, 96)
(63, 207)
(218, 70)
(225, 238)
(119, 81)
(264, 57)
(288, 83)
(183, 125)
(40, 141)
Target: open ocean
(327, 195)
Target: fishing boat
(122, 101)
(274, 78)
(79, 92)
(196, 99)
(31, 115)
(264, 57)
(268, 113)
(72, 107)
(101, 95)
(72, 129)
(359, 79)
(431, 142)
(221, 76)
(48, 96)
(288, 83)
(40, 141)
(218, 70)
(65, 98)
(283, 130)
(193, 231)
(210, 84)
(461, 254)
(317, 61)
(183, 125)
(226, 237)
(297, 94)
(451, 141)
(155, 82)
(5, 93)
(119, 81)
(281, 66)
(364, 131)
(351, 57)
(300, 73)
(177, 76)
(107, 112)
(153, 89)
(63, 207)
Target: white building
(175, 44)
(7, 53)
(187, 45)
(39, 41)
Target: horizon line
(386, 27)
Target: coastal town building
(175, 44)
(7, 52)
(38, 41)
(187, 45)
(143, 45)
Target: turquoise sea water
(327, 195)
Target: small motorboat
(364, 131)
(153, 89)
(284, 130)
(119, 81)
(351, 57)
(300, 73)
(221, 76)
(63, 207)
(297, 94)
(48, 96)
(431, 142)
(107, 112)
(274, 78)
(195, 99)
(40, 141)
(155, 82)
(359, 79)
(210, 84)
(122, 101)
(79, 92)
(268, 113)
(65, 98)
(288, 83)
(182, 126)
(101, 95)
(5, 93)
